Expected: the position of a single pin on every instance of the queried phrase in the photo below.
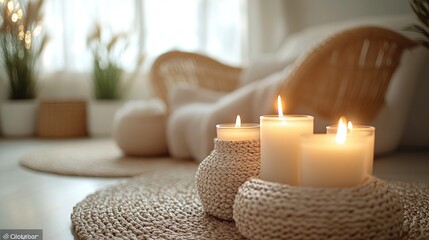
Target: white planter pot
(100, 117)
(18, 118)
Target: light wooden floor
(35, 200)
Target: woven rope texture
(176, 67)
(156, 206)
(415, 199)
(265, 210)
(346, 75)
(229, 165)
(165, 205)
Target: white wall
(304, 13)
(271, 21)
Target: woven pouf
(220, 174)
(415, 198)
(139, 128)
(265, 210)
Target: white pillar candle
(280, 153)
(363, 130)
(237, 131)
(329, 160)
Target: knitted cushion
(265, 210)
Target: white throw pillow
(416, 132)
(390, 123)
(263, 67)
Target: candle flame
(279, 106)
(350, 125)
(238, 121)
(341, 132)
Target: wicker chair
(348, 74)
(176, 67)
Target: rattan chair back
(187, 68)
(348, 74)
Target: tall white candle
(237, 131)
(329, 160)
(280, 146)
(363, 130)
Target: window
(213, 27)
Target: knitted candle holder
(220, 174)
(266, 210)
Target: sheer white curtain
(268, 27)
(213, 27)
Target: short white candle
(330, 160)
(363, 130)
(280, 148)
(237, 131)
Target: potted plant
(421, 9)
(108, 81)
(22, 41)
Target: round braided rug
(101, 158)
(165, 205)
(159, 206)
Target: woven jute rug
(95, 159)
(165, 205)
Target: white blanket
(191, 127)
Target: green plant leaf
(418, 29)
(108, 82)
(20, 61)
(421, 9)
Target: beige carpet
(165, 205)
(96, 159)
